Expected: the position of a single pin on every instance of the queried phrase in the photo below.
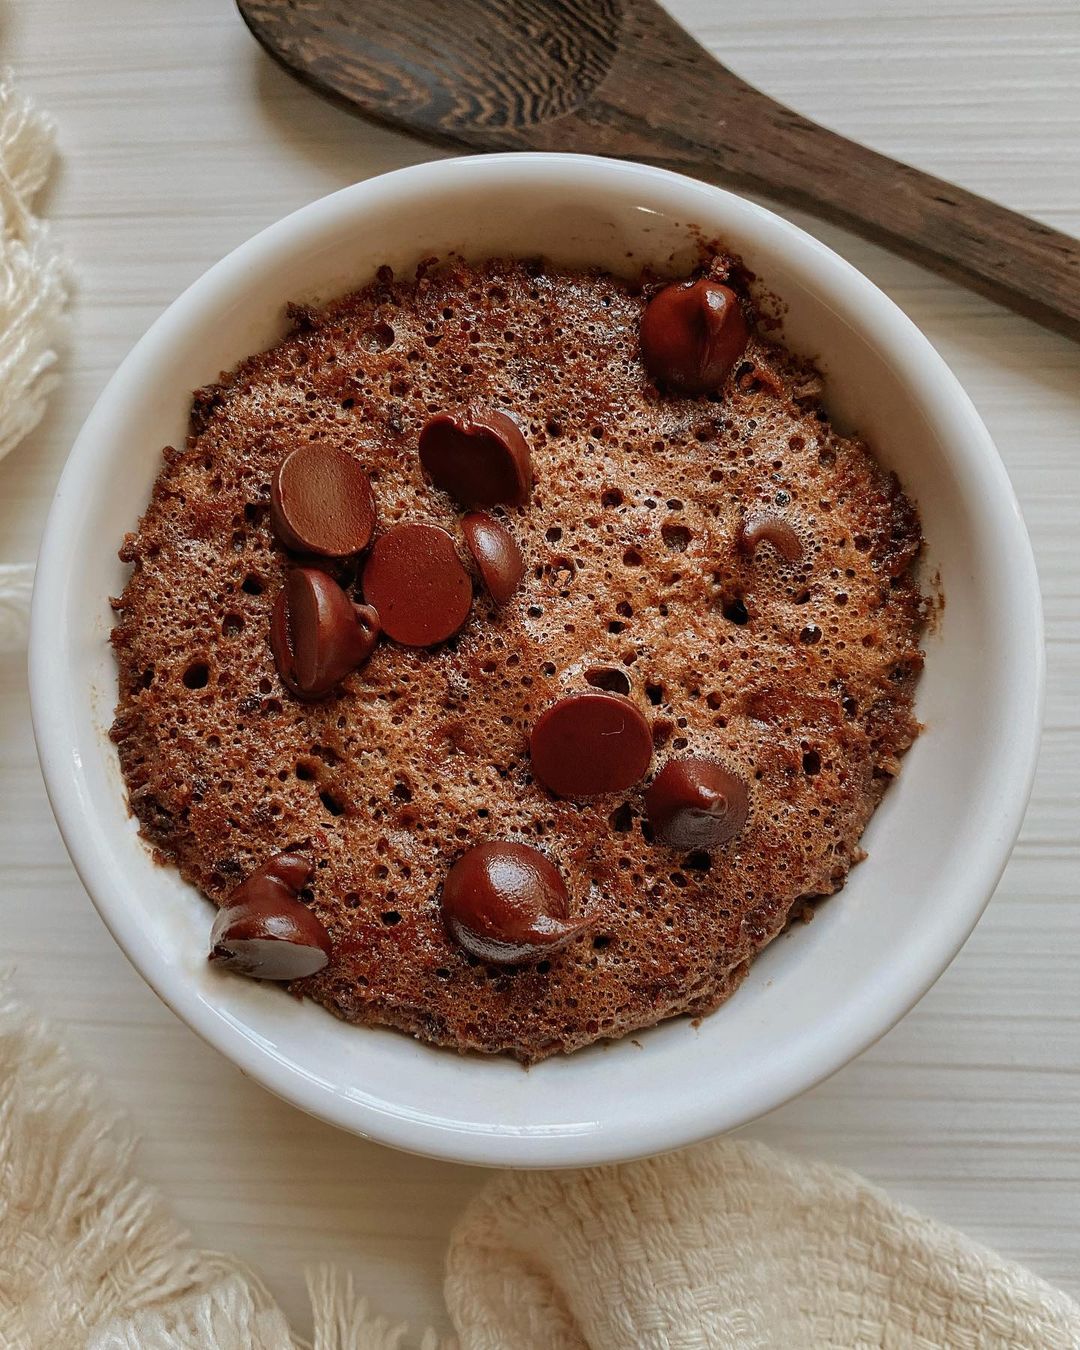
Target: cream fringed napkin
(729, 1246)
(725, 1247)
(33, 292)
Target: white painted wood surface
(179, 140)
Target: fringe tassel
(33, 276)
(79, 1237)
(91, 1259)
(16, 583)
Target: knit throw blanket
(729, 1246)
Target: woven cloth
(729, 1246)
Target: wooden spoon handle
(1004, 255)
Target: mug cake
(511, 652)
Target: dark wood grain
(621, 78)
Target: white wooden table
(180, 139)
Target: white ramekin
(819, 995)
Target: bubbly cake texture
(797, 676)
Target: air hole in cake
(621, 819)
(611, 497)
(553, 535)
(232, 625)
(379, 338)
(611, 678)
(632, 557)
(390, 917)
(252, 584)
(401, 791)
(676, 537)
(615, 626)
(305, 770)
(332, 803)
(735, 611)
(197, 675)
(697, 862)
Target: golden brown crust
(800, 679)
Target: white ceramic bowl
(817, 996)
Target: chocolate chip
(588, 744)
(695, 803)
(418, 584)
(496, 553)
(692, 334)
(768, 527)
(321, 502)
(317, 634)
(507, 902)
(264, 932)
(479, 456)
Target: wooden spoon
(620, 77)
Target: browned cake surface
(800, 679)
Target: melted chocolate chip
(321, 502)
(496, 553)
(478, 456)
(264, 932)
(692, 335)
(588, 744)
(418, 584)
(317, 634)
(695, 803)
(507, 902)
(770, 528)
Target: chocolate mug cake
(512, 651)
